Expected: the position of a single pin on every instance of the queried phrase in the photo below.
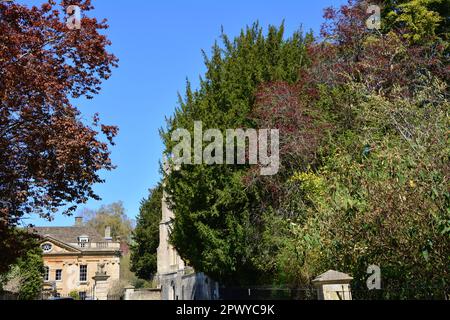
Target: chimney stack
(78, 221)
(108, 234)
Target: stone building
(79, 259)
(178, 281)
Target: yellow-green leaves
(417, 18)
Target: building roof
(69, 234)
(332, 275)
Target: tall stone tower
(169, 260)
(177, 280)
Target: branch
(31, 51)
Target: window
(83, 241)
(83, 273)
(47, 247)
(173, 257)
(58, 276)
(46, 273)
(82, 295)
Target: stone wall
(187, 285)
(142, 294)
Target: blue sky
(159, 45)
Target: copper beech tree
(50, 158)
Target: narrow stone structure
(333, 285)
(101, 285)
(178, 281)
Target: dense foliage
(146, 236)
(113, 216)
(214, 227)
(25, 277)
(364, 176)
(50, 157)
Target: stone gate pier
(333, 285)
(101, 286)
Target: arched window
(172, 291)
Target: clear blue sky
(159, 45)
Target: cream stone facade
(78, 259)
(177, 281)
(169, 260)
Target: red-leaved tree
(383, 62)
(288, 108)
(49, 157)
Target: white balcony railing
(98, 245)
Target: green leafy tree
(379, 192)
(421, 21)
(387, 195)
(26, 276)
(146, 235)
(215, 226)
(112, 215)
(32, 269)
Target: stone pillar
(101, 286)
(129, 291)
(333, 285)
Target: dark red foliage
(288, 108)
(49, 157)
(382, 62)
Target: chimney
(78, 221)
(108, 234)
